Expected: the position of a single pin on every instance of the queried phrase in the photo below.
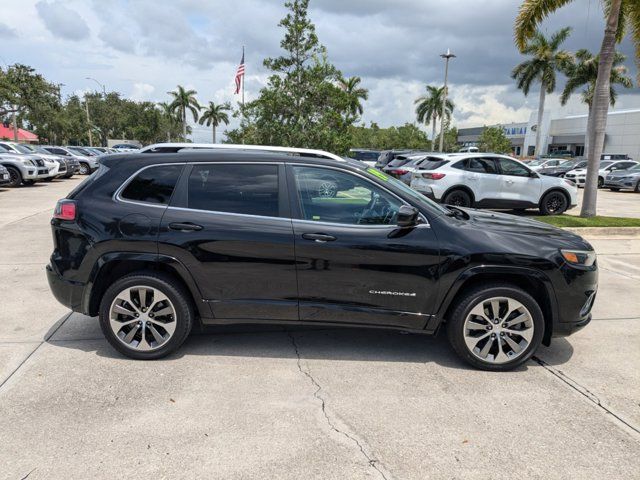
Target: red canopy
(23, 135)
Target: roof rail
(178, 147)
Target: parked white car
(87, 163)
(492, 181)
(579, 176)
(537, 165)
(52, 164)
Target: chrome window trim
(117, 197)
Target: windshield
(566, 163)
(535, 163)
(605, 164)
(24, 148)
(636, 167)
(580, 165)
(81, 151)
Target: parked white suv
(579, 175)
(492, 181)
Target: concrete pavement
(308, 403)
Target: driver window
(327, 195)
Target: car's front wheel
(600, 182)
(146, 316)
(84, 169)
(15, 178)
(496, 327)
(554, 203)
(458, 198)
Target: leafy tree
(429, 107)
(584, 73)
(302, 104)
(494, 140)
(214, 115)
(184, 100)
(405, 136)
(621, 15)
(356, 93)
(25, 92)
(546, 59)
(450, 143)
(171, 124)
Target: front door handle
(185, 227)
(318, 237)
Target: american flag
(240, 73)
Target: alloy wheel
(142, 318)
(498, 330)
(556, 202)
(84, 169)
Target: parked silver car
(87, 163)
(623, 179)
(51, 163)
(23, 169)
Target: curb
(605, 232)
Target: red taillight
(433, 176)
(65, 210)
(399, 172)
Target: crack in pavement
(45, 340)
(584, 391)
(373, 462)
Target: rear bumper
(67, 293)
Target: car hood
(526, 229)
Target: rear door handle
(185, 227)
(318, 237)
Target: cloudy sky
(143, 48)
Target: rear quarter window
(153, 185)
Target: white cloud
(142, 91)
(62, 21)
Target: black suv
(154, 243)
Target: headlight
(29, 163)
(584, 258)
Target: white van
(469, 150)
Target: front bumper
(578, 180)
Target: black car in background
(370, 157)
(162, 241)
(387, 156)
(564, 167)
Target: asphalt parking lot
(305, 403)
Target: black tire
(455, 324)
(554, 203)
(600, 182)
(48, 179)
(68, 175)
(15, 177)
(84, 169)
(637, 189)
(167, 285)
(458, 198)
(28, 183)
(614, 189)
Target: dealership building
(566, 134)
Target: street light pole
(86, 106)
(104, 90)
(446, 56)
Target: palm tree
(184, 100)
(215, 115)
(355, 93)
(169, 117)
(429, 108)
(584, 73)
(620, 16)
(546, 59)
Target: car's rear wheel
(84, 169)
(554, 203)
(15, 178)
(146, 316)
(458, 198)
(496, 327)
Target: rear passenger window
(244, 189)
(153, 185)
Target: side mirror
(407, 216)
